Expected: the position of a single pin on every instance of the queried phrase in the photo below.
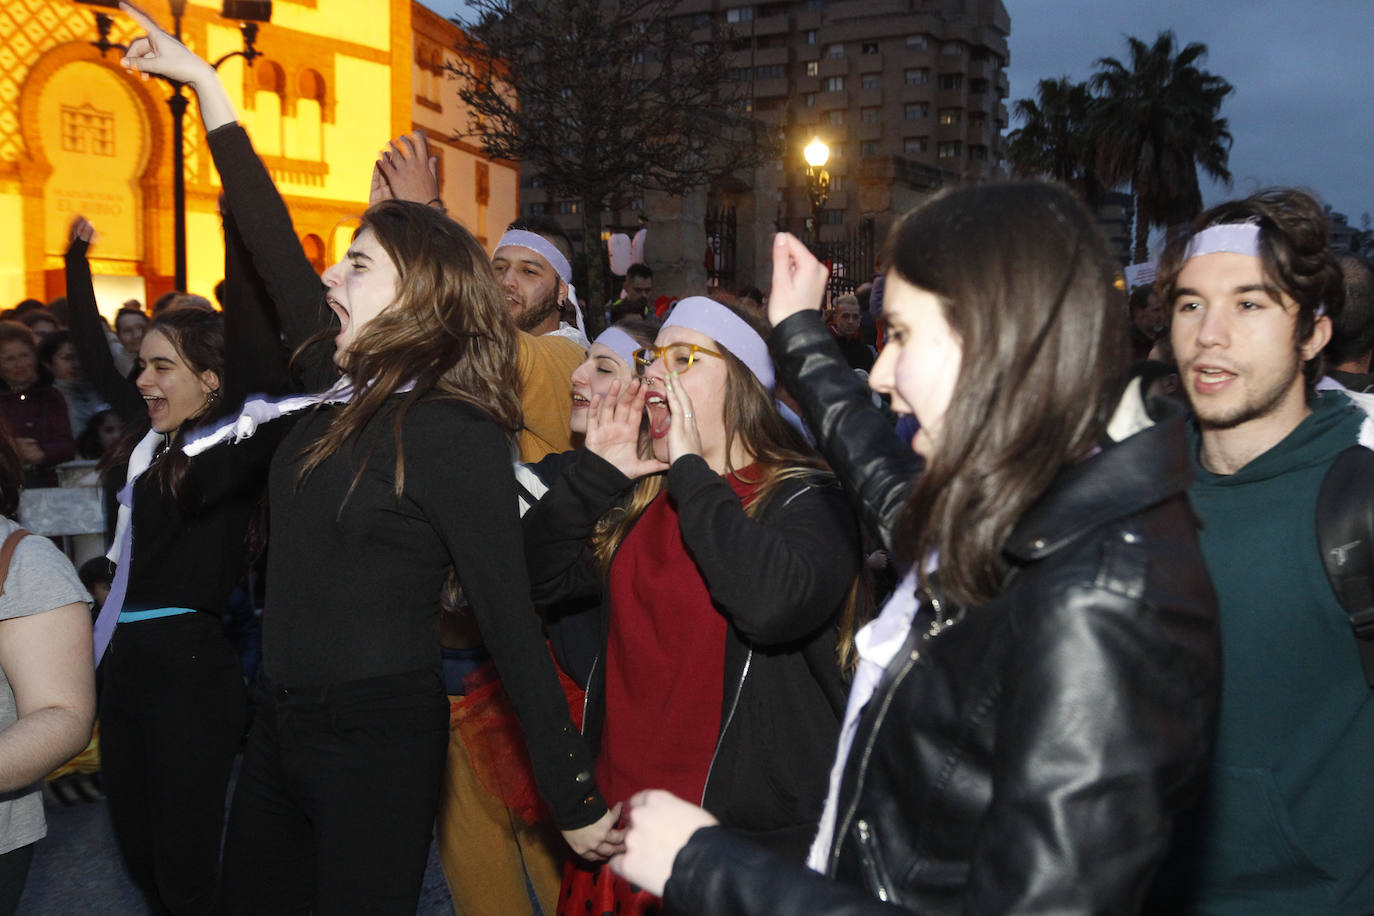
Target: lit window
(811, 36)
(813, 67)
(950, 116)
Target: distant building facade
(79, 134)
(908, 94)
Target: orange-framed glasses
(677, 357)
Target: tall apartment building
(908, 94)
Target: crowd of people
(984, 588)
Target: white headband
(622, 344)
(709, 317)
(523, 238)
(1232, 238)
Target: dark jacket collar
(1124, 478)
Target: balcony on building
(764, 56)
(834, 66)
(870, 130)
(865, 98)
(770, 87)
(827, 101)
(772, 25)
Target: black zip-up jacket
(780, 580)
(1031, 756)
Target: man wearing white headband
(1285, 825)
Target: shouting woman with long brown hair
(398, 472)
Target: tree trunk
(594, 297)
(1142, 233)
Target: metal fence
(720, 246)
(851, 259)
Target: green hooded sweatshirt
(1288, 824)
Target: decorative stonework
(28, 28)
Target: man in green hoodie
(1287, 825)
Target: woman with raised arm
(335, 803)
(173, 705)
(726, 559)
(1037, 700)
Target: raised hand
(599, 841)
(660, 824)
(83, 230)
(411, 173)
(158, 53)
(613, 422)
(798, 278)
(380, 189)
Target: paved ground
(77, 870)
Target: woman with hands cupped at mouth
(726, 557)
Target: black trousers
(336, 798)
(172, 713)
(14, 870)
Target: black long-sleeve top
(354, 579)
(92, 349)
(189, 547)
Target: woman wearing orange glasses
(727, 556)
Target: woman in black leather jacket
(1036, 703)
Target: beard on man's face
(532, 315)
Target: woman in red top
(728, 555)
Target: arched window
(306, 139)
(314, 251)
(269, 98)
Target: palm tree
(1055, 138)
(1155, 123)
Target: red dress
(665, 682)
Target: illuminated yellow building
(337, 79)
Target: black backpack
(1345, 535)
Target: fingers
(434, 167)
(147, 23)
(82, 229)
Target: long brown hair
(448, 332)
(1028, 286)
(778, 454)
(197, 336)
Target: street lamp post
(250, 12)
(816, 155)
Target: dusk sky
(1303, 72)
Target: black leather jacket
(1031, 756)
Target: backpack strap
(1345, 535)
(7, 553)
